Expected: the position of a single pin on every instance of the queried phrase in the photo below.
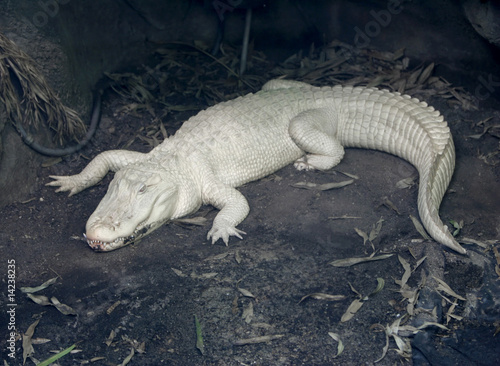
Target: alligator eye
(142, 188)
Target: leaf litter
(356, 305)
(256, 340)
(340, 346)
(43, 286)
(400, 332)
(322, 187)
(323, 296)
(44, 300)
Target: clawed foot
(66, 183)
(302, 164)
(224, 233)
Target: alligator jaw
(107, 246)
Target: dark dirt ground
(291, 238)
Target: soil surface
(149, 293)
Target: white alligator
(250, 137)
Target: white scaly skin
(250, 137)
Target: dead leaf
(343, 217)
(248, 313)
(412, 79)
(178, 272)
(420, 228)
(246, 293)
(340, 346)
(28, 349)
(406, 274)
(375, 230)
(432, 324)
(419, 262)
(347, 262)
(425, 74)
(30, 290)
(237, 257)
(474, 241)
(322, 187)
(113, 307)
(352, 310)
(217, 257)
(63, 308)
(380, 287)
(328, 186)
(443, 286)
(40, 340)
(40, 299)
(110, 338)
(322, 296)
(406, 182)
(388, 203)
(353, 176)
(386, 347)
(255, 340)
(128, 358)
(362, 234)
(203, 276)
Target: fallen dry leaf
(352, 310)
(340, 346)
(246, 293)
(110, 338)
(28, 349)
(247, 314)
(30, 290)
(322, 296)
(419, 227)
(406, 182)
(128, 358)
(63, 308)
(443, 286)
(255, 340)
(113, 307)
(322, 187)
(347, 262)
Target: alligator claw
(65, 183)
(224, 234)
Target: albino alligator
(250, 137)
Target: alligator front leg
(112, 160)
(233, 210)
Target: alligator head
(140, 198)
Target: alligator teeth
(101, 245)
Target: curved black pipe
(94, 122)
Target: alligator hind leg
(314, 131)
